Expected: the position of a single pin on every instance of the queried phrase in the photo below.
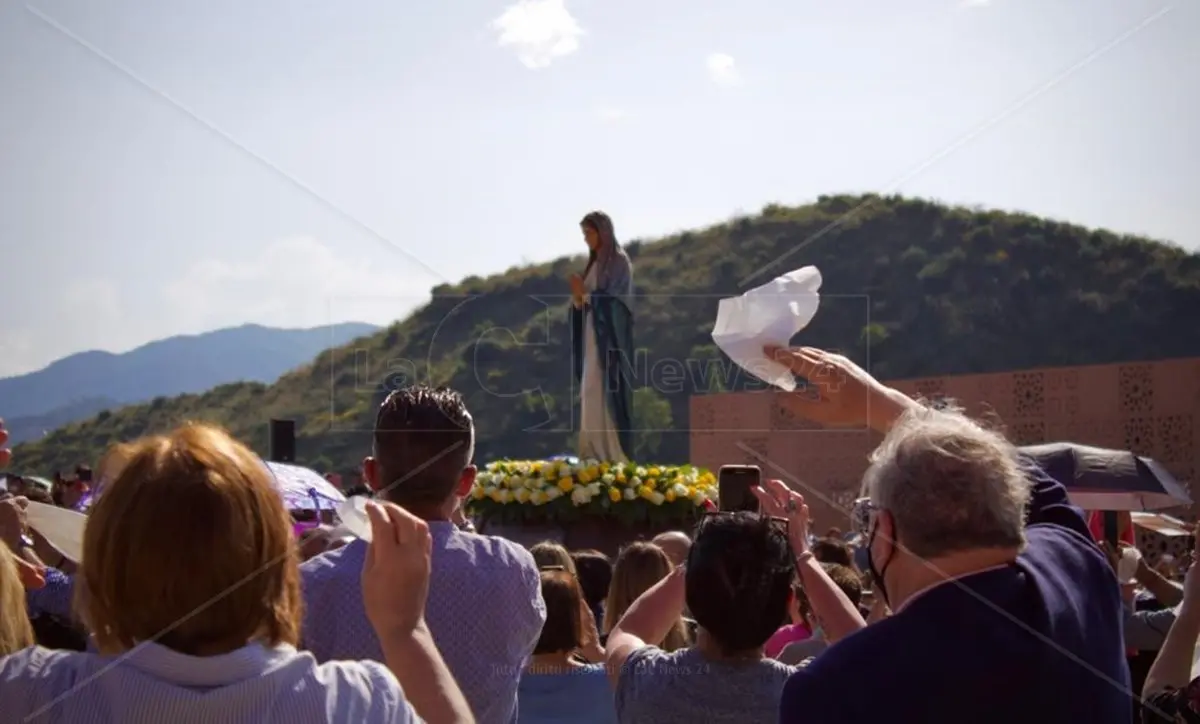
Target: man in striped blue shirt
(485, 606)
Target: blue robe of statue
(608, 318)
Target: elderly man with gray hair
(1004, 609)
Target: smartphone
(735, 485)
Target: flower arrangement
(559, 491)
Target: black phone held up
(735, 485)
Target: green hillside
(927, 289)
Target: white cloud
(74, 315)
(974, 3)
(723, 70)
(294, 282)
(539, 31)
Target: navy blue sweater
(1036, 642)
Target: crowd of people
(976, 592)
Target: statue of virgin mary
(602, 343)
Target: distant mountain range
(82, 385)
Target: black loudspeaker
(283, 441)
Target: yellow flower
(670, 496)
(604, 468)
(566, 484)
(646, 491)
(620, 477)
(651, 483)
(477, 493)
(614, 495)
(654, 472)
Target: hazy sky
(171, 167)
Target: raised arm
(395, 583)
(839, 617)
(1172, 668)
(650, 618)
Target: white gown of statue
(597, 433)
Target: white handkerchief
(61, 528)
(770, 314)
(352, 512)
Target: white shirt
(155, 685)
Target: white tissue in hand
(770, 314)
(352, 514)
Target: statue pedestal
(602, 534)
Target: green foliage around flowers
(550, 491)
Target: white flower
(580, 496)
(553, 493)
(522, 495)
(679, 489)
(538, 497)
(593, 489)
(640, 471)
(635, 482)
(630, 493)
(608, 478)
(489, 490)
(505, 496)
(657, 498)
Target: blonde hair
(548, 554)
(15, 631)
(639, 566)
(190, 546)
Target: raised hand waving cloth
(769, 315)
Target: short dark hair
(832, 550)
(357, 490)
(563, 630)
(847, 579)
(739, 579)
(594, 570)
(83, 473)
(424, 439)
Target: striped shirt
(485, 612)
(155, 685)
